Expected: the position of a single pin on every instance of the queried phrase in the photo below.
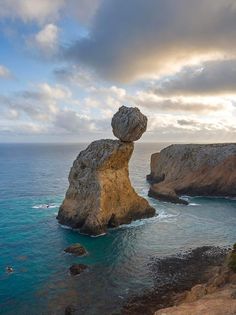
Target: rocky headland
(100, 194)
(193, 169)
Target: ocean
(120, 263)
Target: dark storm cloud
(132, 38)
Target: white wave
(45, 206)
(162, 217)
(66, 227)
(194, 204)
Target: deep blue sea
(32, 242)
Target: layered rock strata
(193, 169)
(100, 194)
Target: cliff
(193, 169)
(100, 194)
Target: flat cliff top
(210, 154)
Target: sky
(66, 66)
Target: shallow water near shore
(120, 263)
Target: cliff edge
(193, 169)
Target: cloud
(31, 10)
(4, 72)
(45, 11)
(73, 122)
(83, 10)
(155, 102)
(44, 91)
(210, 78)
(166, 127)
(41, 103)
(45, 42)
(136, 39)
(76, 76)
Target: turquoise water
(119, 263)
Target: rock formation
(76, 249)
(77, 269)
(100, 194)
(128, 124)
(193, 169)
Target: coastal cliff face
(193, 169)
(100, 194)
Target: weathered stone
(197, 292)
(76, 249)
(100, 194)
(128, 124)
(76, 269)
(193, 169)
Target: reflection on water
(119, 263)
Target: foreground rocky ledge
(189, 284)
(100, 194)
(193, 169)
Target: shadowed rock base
(100, 194)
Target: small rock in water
(129, 124)
(76, 269)
(76, 249)
(9, 269)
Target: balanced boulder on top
(129, 124)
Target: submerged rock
(100, 194)
(128, 124)
(76, 249)
(193, 169)
(76, 269)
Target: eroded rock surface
(100, 194)
(128, 124)
(193, 169)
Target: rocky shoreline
(184, 278)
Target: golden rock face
(207, 170)
(100, 194)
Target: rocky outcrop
(76, 269)
(215, 297)
(100, 194)
(128, 124)
(76, 249)
(193, 169)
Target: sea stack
(195, 170)
(100, 194)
